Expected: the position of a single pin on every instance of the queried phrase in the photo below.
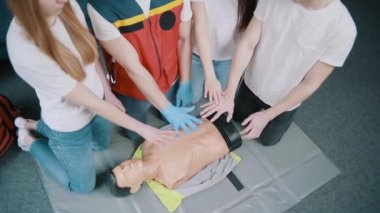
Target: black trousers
(247, 103)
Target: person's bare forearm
(300, 93)
(184, 51)
(240, 61)
(148, 86)
(125, 54)
(312, 81)
(202, 37)
(243, 54)
(82, 96)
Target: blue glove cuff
(169, 108)
(187, 83)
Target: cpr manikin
(172, 164)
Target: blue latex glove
(184, 95)
(179, 118)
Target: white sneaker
(22, 133)
(20, 122)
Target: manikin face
(51, 8)
(129, 174)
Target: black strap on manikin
(228, 131)
(235, 181)
(233, 140)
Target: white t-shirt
(222, 21)
(293, 39)
(105, 31)
(50, 82)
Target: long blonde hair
(29, 15)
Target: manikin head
(130, 174)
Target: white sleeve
(104, 30)
(186, 12)
(35, 67)
(78, 12)
(338, 49)
(46, 77)
(261, 9)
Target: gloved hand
(178, 117)
(184, 95)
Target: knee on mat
(101, 147)
(269, 141)
(196, 98)
(84, 187)
(239, 116)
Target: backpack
(7, 127)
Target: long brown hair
(29, 15)
(245, 13)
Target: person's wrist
(269, 114)
(107, 91)
(164, 103)
(166, 110)
(229, 93)
(209, 71)
(141, 129)
(184, 83)
(210, 75)
(185, 90)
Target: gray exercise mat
(274, 179)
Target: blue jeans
(68, 156)
(222, 69)
(138, 109)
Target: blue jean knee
(137, 109)
(222, 71)
(221, 68)
(68, 156)
(101, 133)
(197, 78)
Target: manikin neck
(150, 168)
(314, 4)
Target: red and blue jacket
(155, 39)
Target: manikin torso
(173, 163)
(179, 161)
